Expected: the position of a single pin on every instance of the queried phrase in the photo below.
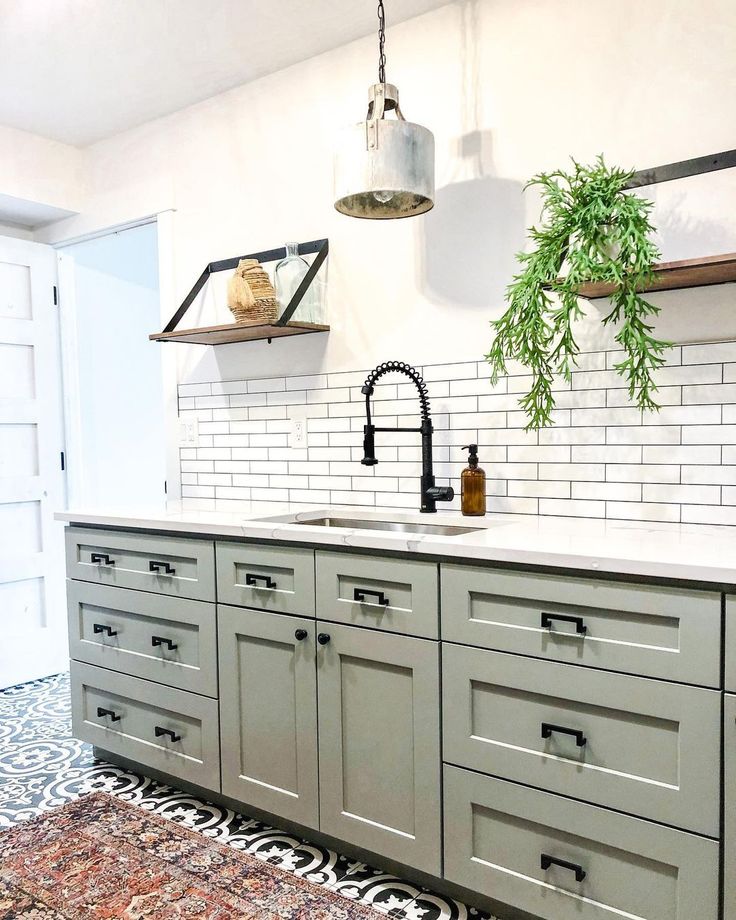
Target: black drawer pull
(157, 566)
(167, 731)
(160, 640)
(546, 861)
(101, 559)
(300, 634)
(102, 712)
(100, 628)
(252, 580)
(580, 627)
(579, 737)
(323, 638)
(360, 594)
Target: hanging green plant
(593, 231)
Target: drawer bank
(552, 745)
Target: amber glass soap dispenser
(473, 485)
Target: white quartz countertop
(670, 551)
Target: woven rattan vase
(250, 294)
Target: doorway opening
(114, 393)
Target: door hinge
(63, 460)
(56, 297)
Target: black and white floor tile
(43, 766)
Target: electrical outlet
(298, 433)
(188, 432)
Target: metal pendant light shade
(384, 168)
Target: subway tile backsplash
(602, 458)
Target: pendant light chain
(381, 42)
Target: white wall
(41, 172)
(509, 87)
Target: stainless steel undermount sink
(444, 530)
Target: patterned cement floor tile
(43, 766)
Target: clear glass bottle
(287, 278)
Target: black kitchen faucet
(430, 493)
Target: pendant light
(384, 167)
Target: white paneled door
(32, 621)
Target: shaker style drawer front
(645, 747)
(275, 578)
(557, 859)
(158, 727)
(269, 745)
(731, 643)
(395, 595)
(147, 562)
(669, 633)
(170, 640)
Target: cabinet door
(729, 840)
(379, 743)
(268, 709)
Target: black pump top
(472, 455)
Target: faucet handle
(441, 493)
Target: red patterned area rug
(99, 857)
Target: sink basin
(444, 530)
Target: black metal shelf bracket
(694, 167)
(318, 248)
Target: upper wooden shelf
(236, 332)
(673, 275)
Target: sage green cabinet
(268, 712)
(170, 730)
(559, 859)
(147, 562)
(379, 743)
(171, 640)
(393, 595)
(652, 631)
(642, 746)
(729, 838)
(279, 579)
(731, 644)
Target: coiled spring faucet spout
(430, 493)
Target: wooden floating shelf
(237, 332)
(671, 276)
(254, 330)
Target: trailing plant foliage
(596, 232)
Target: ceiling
(77, 71)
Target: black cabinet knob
(301, 634)
(323, 638)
